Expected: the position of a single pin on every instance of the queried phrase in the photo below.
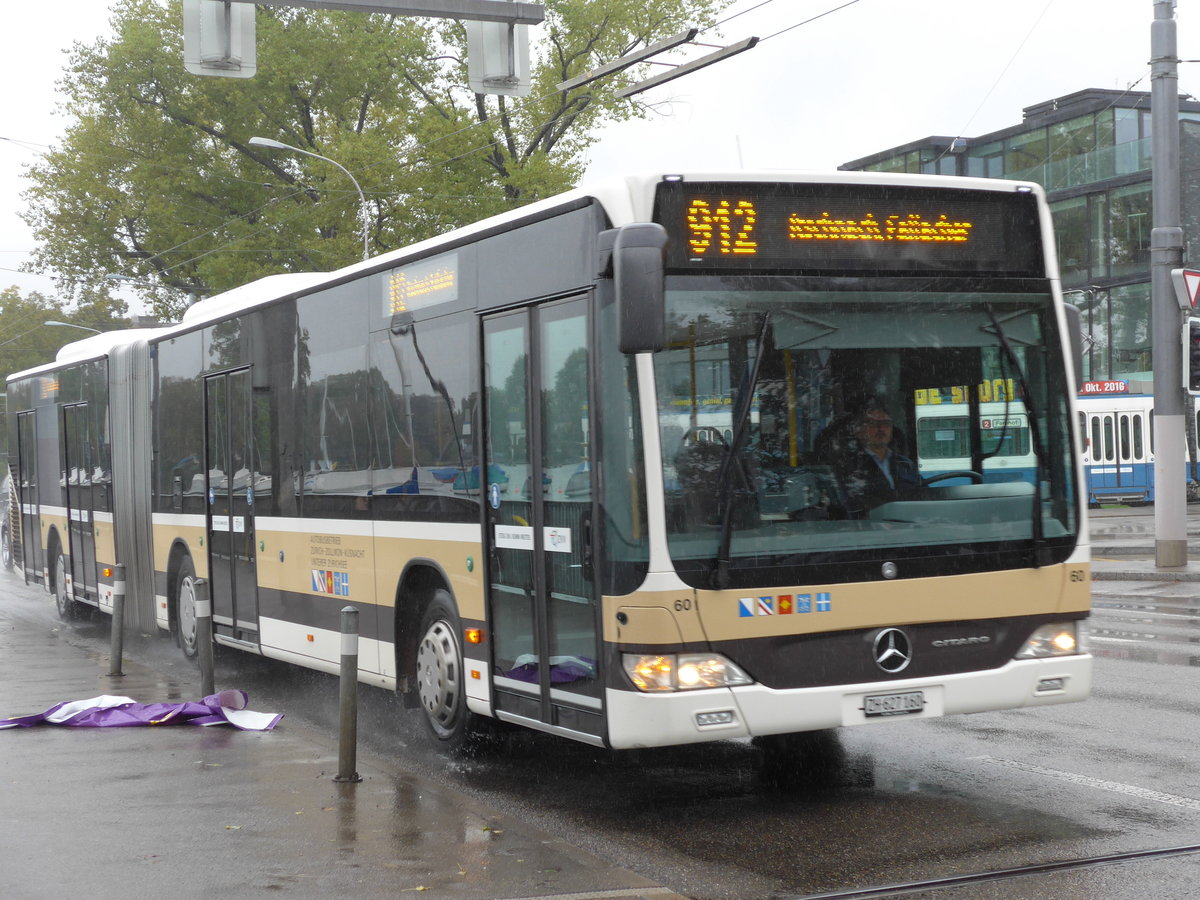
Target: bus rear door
(33, 560)
(538, 508)
(229, 462)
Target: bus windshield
(804, 424)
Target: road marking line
(1097, 783)
(621, 894)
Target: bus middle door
(79, 469)
(538, 518)
(229, 462)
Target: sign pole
(1166, 254)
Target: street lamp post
(72, 325)
(362, 199)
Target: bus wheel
(6, 549)
(440, 685)
(68, 608)
(185, 607)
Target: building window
(1092, 317)
(986, 161)
(1130, 125)
(1024, 152)
(1074, 243)
(1129, 324)
(1130, 222)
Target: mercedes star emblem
(893, 651)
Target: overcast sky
(866, 77)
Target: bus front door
(229, 459)
(538, 492)
(79, 469)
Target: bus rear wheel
(185, 607)
(68, 607)
(441, 687)
(6, 548)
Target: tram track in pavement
(998, 875)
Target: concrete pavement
(184, 811)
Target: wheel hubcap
(187, 613)
(438, 671)
(60, 585)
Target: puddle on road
(1160, 628)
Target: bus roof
(624, 200)
(97, 346)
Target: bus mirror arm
(638, 277)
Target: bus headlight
(1054, 639)
(682, 671)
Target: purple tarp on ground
(223, 708)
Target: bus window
(943, 438)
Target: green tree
(156, 179)
(26, 341)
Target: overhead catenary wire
(481, 148)
(807, 21)
(1008, 65)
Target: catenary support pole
(117, 637)
(348, 699)
(204, 636)
(1166, 253)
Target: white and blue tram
(1118, 451)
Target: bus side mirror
(638, 279)
(1075, 338)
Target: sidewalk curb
(1157, 575)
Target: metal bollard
(117, 637)
(348, 699)
(204, 635)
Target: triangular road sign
(1187, 287)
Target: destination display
(994, 391)
(422, 284)
(843, 227)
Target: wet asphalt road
(1083, 785)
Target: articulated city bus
(583, 467)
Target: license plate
(894, 704)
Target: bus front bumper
(688, 717)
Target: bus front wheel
(441, 688)
(185, 607)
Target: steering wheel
(976, 477)
(693, 435)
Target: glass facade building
(1091, 152)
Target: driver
(875, 473)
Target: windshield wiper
(725, 497)
(1041, 553)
